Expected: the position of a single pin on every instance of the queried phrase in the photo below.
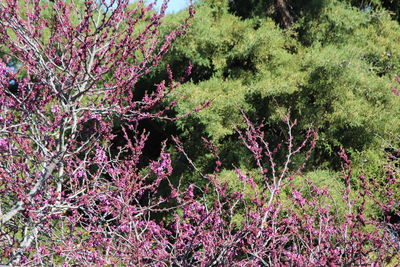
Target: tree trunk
(284, 13)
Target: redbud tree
(77, 63)
(68, 196)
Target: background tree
(334, 69)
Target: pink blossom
(55, 109)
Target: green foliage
(327, 180)
(374, 33)
(241, 60)
(367, 5)
(221, 118)
(333, 71)
(341, 94)
(336, 23)
(236, 185)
